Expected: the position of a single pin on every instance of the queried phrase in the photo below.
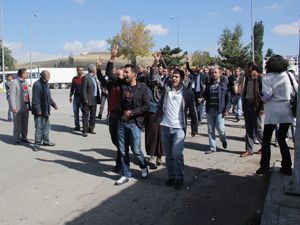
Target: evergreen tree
(232, 52)
(258, 31)
(173, 57)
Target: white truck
(60, 78)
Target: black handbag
(293, 100)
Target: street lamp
(2, 45)
(177, 24)
(252, 33)
(30, 44)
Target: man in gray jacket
(19, 103)
(90, 98)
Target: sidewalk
(280, 208)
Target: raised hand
(187, 58)
(99, 63)
(114, 51)
(157, 56)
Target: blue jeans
(76, 107)
(130, 135)
(200, 110)
(237, 106)
(172, 140)
(215, 120)
(42, 129)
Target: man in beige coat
(19, 103)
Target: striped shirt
(214, 96)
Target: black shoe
(49, 144)
(25, 141)
(262, 170)
(170, 182)
(76, 128)
(91, 131)
(35, 148)
(287, 171)
(179, 184)
(99, 116)
(17, 142)
(117, 169)
(84, 134)
(224, 144)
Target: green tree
(202, 58)
(134, 40)
(173, 57)
(232, 52)
(9, 60)
(269, 53)
(258, 31)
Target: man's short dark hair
(251, 65)
(9, 75)
(276, 64)
(180, 72)
(132, 67)
(79, 67)
(21, 71)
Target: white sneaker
(145, 172)
(122, 180)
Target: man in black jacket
(41, 102)
(134, 101)
(217, 97)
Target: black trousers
(88, 117)
(252, 120)
(113, 125)
(286, 162)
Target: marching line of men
(158, 99)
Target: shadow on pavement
(86, 164)
(8, 139)
(61, 128)
(208, 197)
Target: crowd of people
(160, 100)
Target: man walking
(19, 103)
(172, 113)
(90, 98)
(9, 77)
(235, 82)
(41, 102)
(76, 91)
(217, 98)
(135, 101)
(253, 107)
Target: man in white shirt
(172, 112)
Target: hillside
(84, 60)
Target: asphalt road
(73, 183)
